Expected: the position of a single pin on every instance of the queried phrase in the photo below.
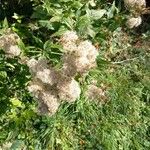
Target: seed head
(134, 22)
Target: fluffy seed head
(83, 64)
(87, 51)
(48, 76)
(81, 60)
(135, 4)
(69, 36)
(54, 85)
(69, 90)
(36, 65)
(69, 47)
(95, 93)
(48, 103)
(8, 42)
(134, 22)
(13, 50)
(86, 48)
(32, 64)
(35, 87)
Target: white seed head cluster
(36, 88)
(9, 43)
(69, 36)
(48, 103)
(135, 4)
(136, 8)
(6, 146)
(49, 86)
(36, 65)
(95, 93)
(47, 100)
(69, 90)
(81, 56)
(134, 22)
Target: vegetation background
(122, 122)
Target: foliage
(123, 68)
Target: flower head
(48, 76)
(36, 87)
(135, 4)
(8, 42)
(48, 103)
(68, 90)
(95, 93)
(69, 36)
(81, 60)
(37, 65)
(134, 22)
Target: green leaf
(5, 23)
(83, 24)
(39, 13)
(110, 13)
(3, 74)
(68, 22)
(55, 19)
(16, 102)
(97, 14)
(47, 45)
(47, 24)
(91, 32)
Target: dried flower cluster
(49, 86)
(96, 93)
(6, 146)
(40, 86)
(134, 22)
(136, 8)
(9, 43)
(135, 5)
(80, 55)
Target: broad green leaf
(68, 22)
(83, 24)
(111, 11)
(55, 19)
(97, 14)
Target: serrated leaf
(83, 24)
(68, 22)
